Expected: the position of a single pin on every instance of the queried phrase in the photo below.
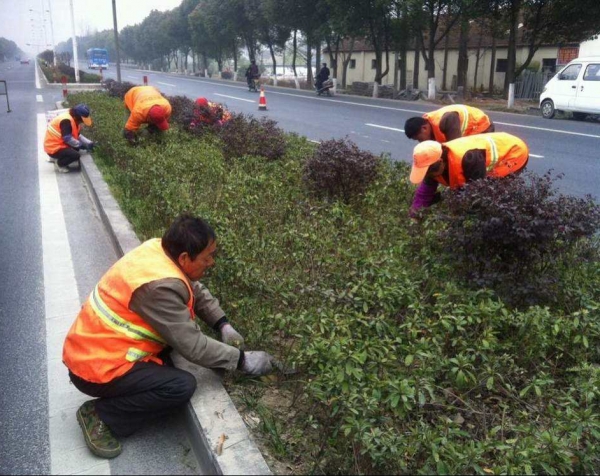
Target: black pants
(148, 391)
(65, 156)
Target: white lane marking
(61, 300)
(536, 156)
(315, 141)
(37, 78)
(39, 98)
(549, 130)
(167, 84)
(233, 97)
(385, 127)
(132, 77)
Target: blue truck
(97, 58)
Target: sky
(19, 24)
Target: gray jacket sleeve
(163, 305)
(206, 306)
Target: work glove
(230, 336)
(257, 363)
(129, 135)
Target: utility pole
(114, 6)
(52, 31)
(75, 56)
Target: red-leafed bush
(339, 169)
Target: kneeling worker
(448, 123)
(459, 161)
(144, 306)
(63, 141)
(146, 105)
(209, 113)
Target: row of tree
(9, 50)
(220, 29)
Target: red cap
(202, 102)
(157, 116)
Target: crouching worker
(209, 113)
(448, 123)
(143, 307)
(146, 105)
(64, 142)
(459, 161)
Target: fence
(529, 84)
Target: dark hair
(187, 233)
(413, 125)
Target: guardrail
(4, 92)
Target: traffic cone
(262, 102)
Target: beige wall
(363, 71)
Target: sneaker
(98, 436)
(62, 170)
(51, 160)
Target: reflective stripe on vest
(493, 157)
(465, 119)
(119, 324)
(133, 354)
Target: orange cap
(426, 153)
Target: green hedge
(400, 368)
(54, 74)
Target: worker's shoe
(98, 436)
(52, 160)
(62, 170)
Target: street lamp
(49, 12)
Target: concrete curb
(69, 86)
(210, 412)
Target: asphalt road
(29, 441)
(565, 146)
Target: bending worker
(459, 161)
(209, 113)
(146, 105)
(63, 141)
(448, 123)
(142, 308)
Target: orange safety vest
(472, 120)
(505, 154)
(139, 100)
(53, 142)
(108, 338)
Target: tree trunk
(416, 64)
(511, 61)
(294, 52)
(492, 66)
(444, 76)
(463, 59)
(318, 57)
(346, 62)
(403, 55)
(235, 56)
(272, 51)
(309, 75)
(396, 68)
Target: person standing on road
(146, 105)
(460, 161)
(63, 141)
(448, 123)
(142, 308)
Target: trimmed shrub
(339, 169)
(182, 110)
(116, 89)
(512, 235)
(245, 135)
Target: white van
(575, 88)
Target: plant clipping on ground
(410, 356)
